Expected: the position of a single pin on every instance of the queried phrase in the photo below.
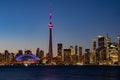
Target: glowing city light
(26, 57)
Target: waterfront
(59, 73)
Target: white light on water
(25, 65)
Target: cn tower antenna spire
(50, 14)
(50, 20)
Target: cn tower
(50, 26)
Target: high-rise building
(37, 52)
(113, 53)
(11, 58)
(75, 57)
(50, 26)
(101, 42)
(94, 50)
(118, 50)
(87, 56)
(41, 54)
(60, 50)
(80, 54)
(94, 44)
(72, 50)
(6, 55)
(67, 56)
(118, 42)
(107, 45)
(99, 52)
(20, 52)
(76, 49)
(97, 56)
(101, 47)
(107, 41)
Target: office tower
(60, 50)
(41, 54)
(50, 26)
(11, 58)
(94, 44)
(6, 55)
(118, 42)
(72, 50)
(107, 41)
(37, 52)
(101, 47)
(20, 52)
(80, 54)
(113, 53)
(87, 56)
(94, 50)
(97, 56)
(75, 57)
(67, 56)
(101, 42)
(118, 50)
(103, 54)
(107, 45)
(76, 49)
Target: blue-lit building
(27, 59)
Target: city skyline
(24, 24)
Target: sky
(24, 23)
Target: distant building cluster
(104, 52)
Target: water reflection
(59, 73)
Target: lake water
(60, 73)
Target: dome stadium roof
(27, 57)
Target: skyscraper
(67, 56)
(107, 45)
(94, 44)
(20, 52)
(60, 50)
(76, 49)
(6, 55)
(94, 50)
(80, 53)
(107, 41)
(72, 50)
(118, 41)
(87, 56)
(101, 42)
(41, 54)
(50, 26)
(37, 52)
(118, 50)
(101, 47)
